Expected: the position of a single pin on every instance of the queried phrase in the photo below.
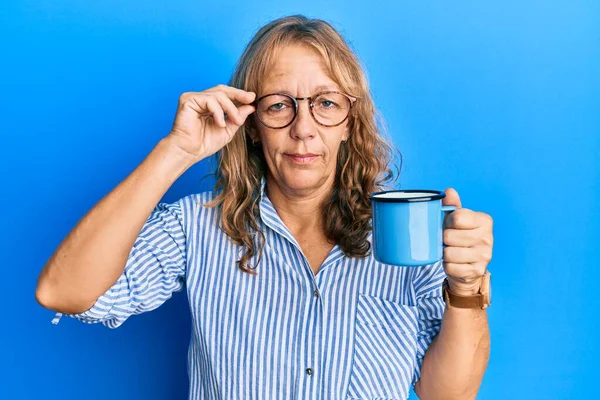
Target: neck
(300, 212)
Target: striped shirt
(358, 329)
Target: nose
(304, 125)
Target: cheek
(333, 142)
(272, 148)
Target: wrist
(474, 294)
(172, 160)
(171, 149)
(464, 289)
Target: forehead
(296, 67)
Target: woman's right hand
(200, 128)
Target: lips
(303, 155)
(302, 158)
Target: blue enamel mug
(408, 226)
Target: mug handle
(447, 209)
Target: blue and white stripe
(358, 329)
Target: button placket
(313, 355)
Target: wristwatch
(481, 300)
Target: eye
(277, 107)
(327, 104)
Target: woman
(286, 298)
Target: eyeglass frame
(310, 106)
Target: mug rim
(433, 195)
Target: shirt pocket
(385, 345)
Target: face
(302, 156)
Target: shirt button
(309, 371)
(316, 292)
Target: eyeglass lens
(278, 110)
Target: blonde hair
(362, 162)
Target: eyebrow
(318, 89)
(324, 87)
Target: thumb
(452, 198)
(244, 112)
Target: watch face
(487, 288)
(490, 289)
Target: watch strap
(475, 301)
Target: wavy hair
(363, 162)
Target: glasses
(279, 110)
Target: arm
(93, 255)
(455, 362)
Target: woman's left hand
(469, 240)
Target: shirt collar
(271, 219)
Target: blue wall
(499, 100)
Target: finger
(461, 237)
(244, 111)
(460, 255)
(235, 94)
(487, 218)
(214, 107)
(452, 198)
(231, 111)
(461, 219)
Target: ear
(346, 134)
(252, 132)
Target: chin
(303, 180)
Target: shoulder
(195, 211)
(196, 201)
(196, 204)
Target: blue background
(499, 100)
